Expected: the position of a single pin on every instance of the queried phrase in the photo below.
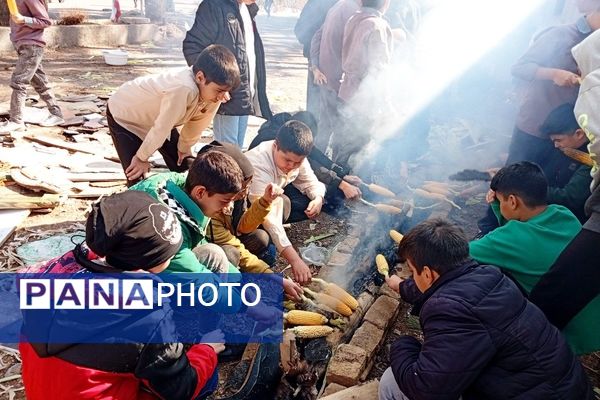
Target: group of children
(224, 211)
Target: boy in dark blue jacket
(482, 338)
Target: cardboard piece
(10, 221)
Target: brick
(382, 311)
(333, 388)
(347, 365)
(348, 245)
(338, 259)
(385, 290)
(368, 337)
(367, 391)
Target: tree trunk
(155, 10)
(4, 14)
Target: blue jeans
(230, 128)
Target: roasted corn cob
(580, 156)
(299, 317)
(380, 190)
(311, 332)
(396, 236)
(386, 208)
(382, 265)
(331, 302)
(335, 291)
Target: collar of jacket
(252, 8)
(583, 26)
(460, 270)
(186, 201)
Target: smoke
(455, 68)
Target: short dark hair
(376, 4)
(436, 243)
(296, 137)
(216, 171)
(524, 179)
(308, 119)
(561, 121)
(218, 64)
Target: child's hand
(561, 77)
(137, 168)
(181, 156)
(292, 290)
(490, 196)
(350, 191)
(319, 78)
(314, 207)
(18, 19)
(301, 272)
(214, 339)
(272, 192)
(394, 282)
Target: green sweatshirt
(527, 250)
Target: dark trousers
(294, 205)
(127, 144)
(572, 282)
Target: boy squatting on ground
(128, 231)
(143, 113)
(26, 34)
(482, 339)
(236, 227)
(212, 182)
(283, 161)
(531, 236)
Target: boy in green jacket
(532, 234)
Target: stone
(347, 365)
(333, 388)
(382, 311)
(339, 259)
(368, 337)
(367, 391)
(385, 290)
(348, 245)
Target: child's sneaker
(52, 120)
(10, 126)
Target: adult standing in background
(310, 20)
(231, 23)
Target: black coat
(484, 340)
(220, 22)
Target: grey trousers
(388, 387)
(213, 257)
(329, 117)
(28, 70)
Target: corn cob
(382, 265)
(436, 189)
(331, 302)
(386, 208)
(434, 196)
(335, 291)
(396, 236)
(580, 156)
(299, 317)
(380, 190)
(396, 203)
(311, 332)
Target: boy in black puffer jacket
(482, 338)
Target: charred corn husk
(396, 236)
(382, 265)
(311, 332)
(331, 302)
(335, 291)
(580, 156)
(299, 317)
